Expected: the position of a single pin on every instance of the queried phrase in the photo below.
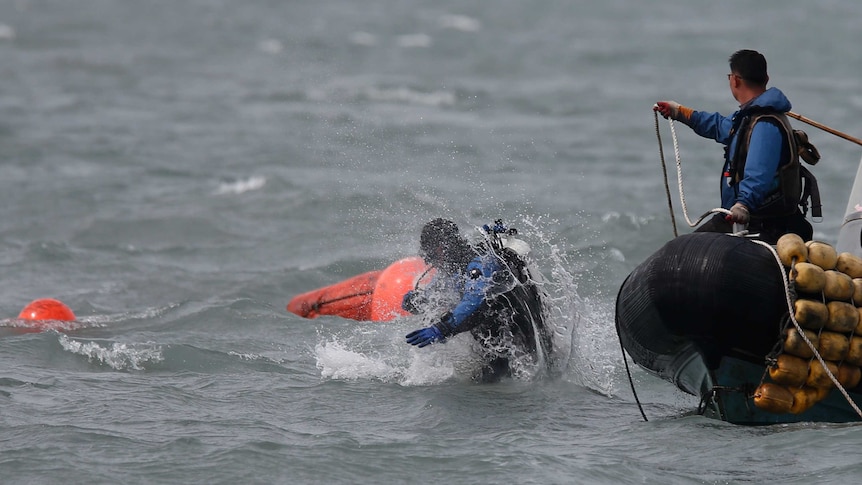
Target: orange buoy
(350, 298)
(394, 282)
(46, 314)
(375, 295)
(47, 309)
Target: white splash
(631, 218)
(44, 325)
(563, 302)
(414, 41)
(427, 367)
(459, 22)
(241, 186)
(363, 38)
(382, 354)
(270, 46)
(255, 357)
(597, 357)
(6, 32)
(336, 361)
(588, 348)
(410, 96)
(118, 356)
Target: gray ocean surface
(176, 171)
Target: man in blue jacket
(484, 289)
(761, 181)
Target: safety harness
(796, 184)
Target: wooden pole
(824, 128)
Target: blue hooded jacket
(764, 151)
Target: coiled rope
(789, 299)
(717, 210)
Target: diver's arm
(479, 274)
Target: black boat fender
(709, 291)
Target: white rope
(801, 332)
(717, 210)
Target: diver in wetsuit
(496, 300)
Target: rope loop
(679, 178)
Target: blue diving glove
(424, 336)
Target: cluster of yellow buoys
(829, 287)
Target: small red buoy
(47, 309)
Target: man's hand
(739, 214)
(668, 109)
(673, 110)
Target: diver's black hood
(442, 245)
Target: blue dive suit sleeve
(761, 165)
(479, 273)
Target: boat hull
(702, 313)
(700, 294)
(731, 401)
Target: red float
(375, 295)
(45, 314)
(47, 309)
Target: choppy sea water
(176, 171)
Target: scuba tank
(512, 252)
(517, 289)
(500, 238)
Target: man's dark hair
(749, 65)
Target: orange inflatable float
(375, 295)
(46, 314)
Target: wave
(241, 186)
(118, 356)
